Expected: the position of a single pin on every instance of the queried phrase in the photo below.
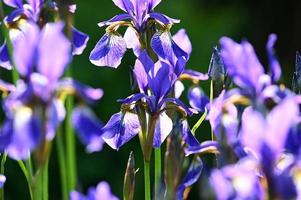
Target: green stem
(70, 147)
(62, 163)
(157, 170)
(147, 195)
(45, 180)
(199, 122)
(28, 179)
(3, 160)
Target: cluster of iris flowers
(254, 118)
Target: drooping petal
(191, 177)
(275, 68)
(163, 18)
(25, 50)
(55, 115)
(4, 57)
(108, 51)
(88, 128)
(179, 89)
(202, 148)
(116, 18)
(166, 48)
(54, 51)
(194, 75)
(87, 93)
(14, 3)
(132, 41)
(197, 98)
(120, 129)
(26, 134)
(2, 180)
(181, 105)
(182, 40)
(242, 63)
(163, 128)
(79, 41)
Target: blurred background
(205, 22)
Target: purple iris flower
(258, 132)
(31, 13)
(111, 47)
(101, 192)
(36, 108)
(239, 181)
(244, 67)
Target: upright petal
(36, 5)
(153, 3)
(125, 5)
(88, 128)
(108, 51)
(159, 80)
(275, 68)
(163, 128)
(54, 51)
(25, 50)
(182, 40)
(4, 57)
(79, 41)
(242, 63)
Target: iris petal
(108, 51)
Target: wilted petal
(108, 51)
(191, 177)
(116, 18)
(120, 129)
(25, 50)
(54, 51)
(79, 41)
(55, 115)
(4, 57)
(275, 68)
(197, 98)
(163, 128)
(88, 128)
(182, 40)
(163, 18)
(26, 134)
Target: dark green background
(205, 21)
